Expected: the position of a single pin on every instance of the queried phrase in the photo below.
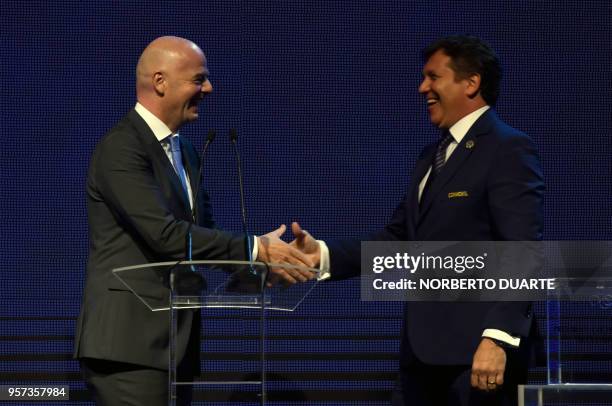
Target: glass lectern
(178, 286)
(579, 345)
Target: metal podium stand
(178, 286)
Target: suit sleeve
(515, 192)
(345, 255)
(122, 175)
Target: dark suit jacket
(138, 213)
(503, 178)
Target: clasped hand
(271, 249)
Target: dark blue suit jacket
(499, 168)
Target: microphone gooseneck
(189, 243)
(233, 136)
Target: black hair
(470, 55)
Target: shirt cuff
(501, 336)
(255, 251)
(324, 262)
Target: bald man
(140, 200)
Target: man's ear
(159, 83)
(473, 85)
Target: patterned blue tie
(438, 162)
(177, 161)
(440, 157)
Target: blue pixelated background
(324, 96)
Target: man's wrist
(502, 344)
(502, 336)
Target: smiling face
(449, 98)
(185, 85)
(172, 79)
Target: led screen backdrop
(324, 97)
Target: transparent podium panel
(224, 289)
(221, 284)
(565, 394)
(579, 345)
(579, 336)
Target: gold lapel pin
(469, 144)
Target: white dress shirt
(163, 134)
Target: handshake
(303, 251)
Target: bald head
(163, 54)
(165, 71)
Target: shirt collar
(461, 127)
(160, 130)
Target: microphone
(233, 136)
(209, 139)
(190, 282)
(189, 243)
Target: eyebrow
(429, 72)
(199, 75)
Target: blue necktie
(177, 161)
(440, 157)
(438, 162)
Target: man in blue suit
(459, 353)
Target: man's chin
(435, 120)
(191, 116)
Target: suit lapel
(420, 169)
(456, 160)
(159, 157)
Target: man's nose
(424, 86)
(207, 87)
